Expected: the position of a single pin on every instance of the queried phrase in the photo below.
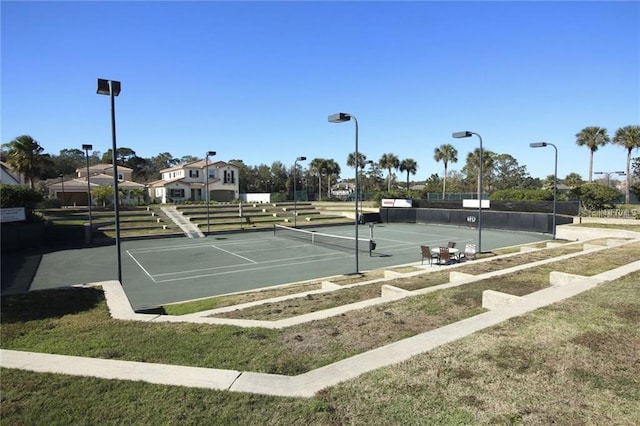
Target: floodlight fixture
(460, 135)
(339, 117)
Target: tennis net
(334, 241)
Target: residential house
(189, 182)
(10, 177)
(73, 192)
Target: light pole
(206, 172)
(467, 134)
(555, 179)
(370, 163)
(87, 148)
(112, 88)
(608, 174)
(61, 176)
(295, 199)
(341, 117)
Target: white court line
(168, 248)
(234, 266)
(233, 254)
(141, 267)
(252, 269)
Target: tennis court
(161, 271)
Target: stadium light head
(339, 117)
(104, 88)
(537, 144)
(211, 153)
(460, 135)
(87, 147)
(301, 158)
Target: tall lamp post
(87, 148)
(206, 177)
(555, 179)
(608, 174)
(341, 117)
(295, 199)
(112, 89)
(61, 176)
(467, 134)
(370, 163)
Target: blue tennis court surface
(161, 271)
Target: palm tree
(592, 137)
(25, 156)
(389, 161)
(409, 165)
(351, 160)
(573, 180)
(317, 167)
(629, 137)
(447, 154)
(333, 169)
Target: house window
(176, 193)
(194, 173)
(212, 174)
(158, 192)
(229, 176)
(120, 176)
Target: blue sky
(256, 80)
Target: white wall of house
(9, 177)
(188, 182)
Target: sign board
(388, 202)
(473, 204)
(14, 214)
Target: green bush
(20, 196)
(522, 195)
(595, 196)
(50, 203)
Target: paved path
(185, 224)
(304, 385)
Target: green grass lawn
(575, 362)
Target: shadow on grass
(56, 303)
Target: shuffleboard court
(161, 271)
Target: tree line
(317, 176)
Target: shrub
(522, 195)
(595, 196)
(19, 196)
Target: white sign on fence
(473, 204)
(14, 214)
(394, 202)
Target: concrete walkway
(563, 286)
(189, 229)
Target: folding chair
(451, 244)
